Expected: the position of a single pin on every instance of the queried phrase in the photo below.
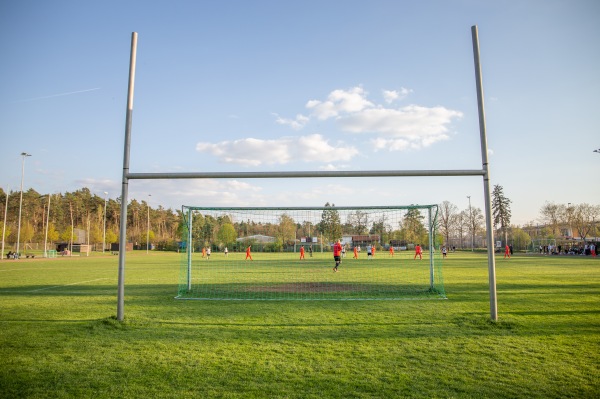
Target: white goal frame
(483, 172)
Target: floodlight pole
(104, 231)
(47, 223)
(24, 155)
(4, 228)
(125, 183)
(486, 178)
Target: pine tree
(501, 211)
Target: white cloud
(411, 122)
(340, 101)
(255, 152)
(392, 95)
(295, 124)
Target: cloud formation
(388, 128)
(256, 152)
(395, 129)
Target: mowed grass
(59, 337)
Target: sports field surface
(59, 337)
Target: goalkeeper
(337, 252)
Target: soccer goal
(286, 253)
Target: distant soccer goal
(286, 253)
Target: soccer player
(302, 252)
(506, 251)
(418, 252)
(373, 251)
(248, 254)
(391, 250)
(355, 253)
(337, 252)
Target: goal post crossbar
(301, 174)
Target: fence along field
(59, 336)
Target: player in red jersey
(337, 252)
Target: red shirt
(337, 249)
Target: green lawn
(59, 338)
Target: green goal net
(287, 253)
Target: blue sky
(311, 85)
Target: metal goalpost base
(484, 172)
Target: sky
(269, 85)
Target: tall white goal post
(483, 172)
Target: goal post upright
(486, 177)
(431, 249)
(125, 181)
(189, 250)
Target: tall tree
(287, 228)
(501, 210)
(358, 221)
(584, 218)
(447, 218)
(414, 230)
(553, 215)
(330, 225)
(476, 223)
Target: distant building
(259, 238)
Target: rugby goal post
(483, 172)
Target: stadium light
(148, 230)
(104, 234)
(4, 228)
(47, 223)
(24, 155)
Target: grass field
(59, 339)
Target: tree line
(62, 213)
(83, 210)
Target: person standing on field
(248, 254)
(506, 251)
(355, 253)
(418, 252)
(302, 252)
(337, 252)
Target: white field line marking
(66, 285)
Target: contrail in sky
(57, 95)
